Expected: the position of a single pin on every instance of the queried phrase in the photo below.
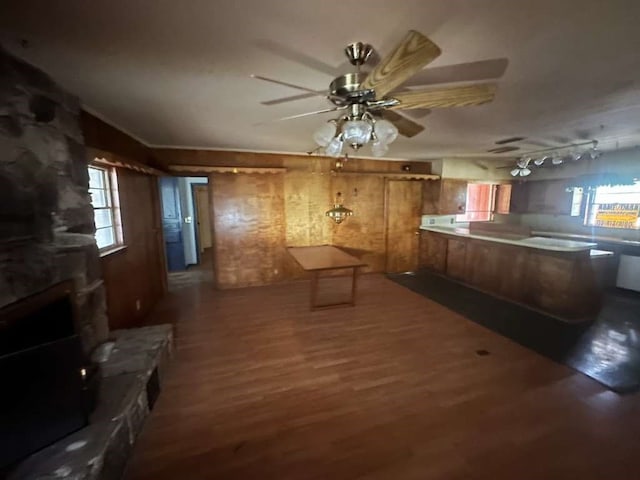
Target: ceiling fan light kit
(356, 131)
(372, 103)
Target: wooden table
(326, 257)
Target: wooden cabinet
(519, 198)
(563, 284)
(433, 252)
(544, 196)
(503, 198)
(456, 258)
(549, 196)
(446, 196)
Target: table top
(323, 257)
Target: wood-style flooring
(393, 388)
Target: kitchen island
(554, 276)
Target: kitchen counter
(541, 243)
(592, 238)
(555, 276)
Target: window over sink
(483, 200)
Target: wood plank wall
(295, 203)
(137, 273)
(248, 220)
(101, 135)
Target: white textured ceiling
(176, 73)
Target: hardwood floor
(393, 388)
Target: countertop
(541, 243)
(593, 238)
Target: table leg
(354, 282)
(314, 290)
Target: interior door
(403, 212)
(203, 217)
(172, 223)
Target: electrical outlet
(452, 220)
(138, 305)
(432, 221)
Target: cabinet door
(549, 196)
(456, 258)
(537, 197)
(453, 196)
(519, 198)
(558, 200)
(431, 197)
(433, 252)
(503, 198)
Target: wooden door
(201, 194)
(403, 209)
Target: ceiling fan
(371, 101)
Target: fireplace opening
(48, 382)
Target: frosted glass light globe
(356, 132)
(325, 134)
(334, 148)
(378, 149)
(385, 131)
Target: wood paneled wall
(101, 135)
(294, 203)
(248, 221)
(134, 276)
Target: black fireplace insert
(45, 376)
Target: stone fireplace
(52, 300)
(46, 245)
(46, 218)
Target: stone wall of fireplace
(46, 218)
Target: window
(614, 207)
(103, 188)
(483, 200)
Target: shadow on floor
(607, 349)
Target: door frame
(196, 223)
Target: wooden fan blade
(406, 127)
(448, 97)
(292, 98)
(410, 56)
(290, 85)
(300, 115)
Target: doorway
(187, 230)
(403, 209)
(200, 195)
